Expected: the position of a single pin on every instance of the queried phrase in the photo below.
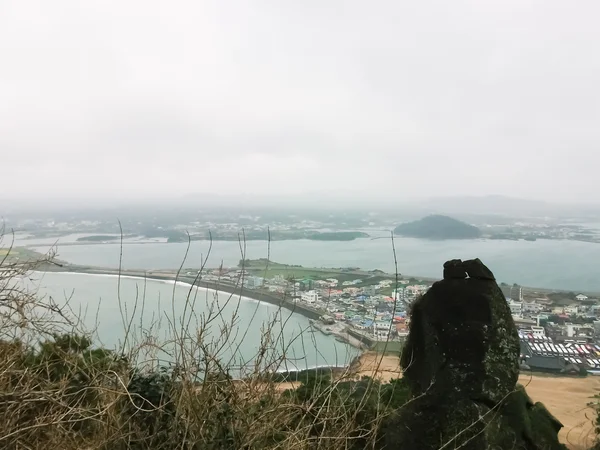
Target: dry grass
(58, 389)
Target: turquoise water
(551, 264)
(543, 263)
(235, 327)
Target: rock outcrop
(461, 362)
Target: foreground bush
(59, 389)
(460, 362)
(65, 393)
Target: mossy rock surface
(462, 334)
(460, 362)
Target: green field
(300, 273)
(270, 269)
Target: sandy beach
(567, 398)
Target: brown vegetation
(57, 389)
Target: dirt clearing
(565, 397)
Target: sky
(127, 99)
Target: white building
(254, 282)
(414, 291)
(513, 292)
(381, 330)
(538, 332)
(572, 329)
(572, 310)
(398, 294)
(516, 308)
(579, 330)
(581, 297)
(310, 297)
(532, 307)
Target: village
(371, 307)
(558, 331)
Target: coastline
(535, 286)
(571, 410)
(246, 294)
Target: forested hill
(438, 227)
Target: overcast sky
(411, 98)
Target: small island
(438, 227)
(98, 238)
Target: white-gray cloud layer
(132, 98)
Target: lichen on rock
(460, 361)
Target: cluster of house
(536, 309)
(573, 354)
(563, 347)
(381, 317)
(362, 306)
(380, 313)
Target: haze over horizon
(138, 100)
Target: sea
(550, 264)
(109, 305)
(129, 314)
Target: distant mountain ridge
(502, 206)
(487, 204)
(438, 227)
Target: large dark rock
(461, 363)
